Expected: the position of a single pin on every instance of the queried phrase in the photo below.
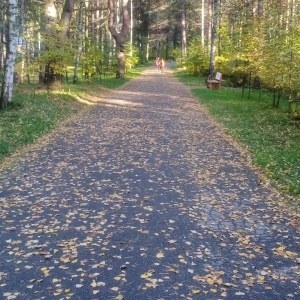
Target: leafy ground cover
(36, 111)
(270, 135)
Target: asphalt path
(144, 197)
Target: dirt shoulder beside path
(144, 198)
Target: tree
(66, 17)
(79, 39)
(214, 37)
(119, 37)
(12, 46)
(182, 27)
(2, 35)
(56, 49)
(260, 8)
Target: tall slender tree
(182, 27)
(13, 36)
(2, 35)
(79, 39)
(119, 37)
(214, 37)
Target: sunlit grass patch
(30, 116)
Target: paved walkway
(144, 198)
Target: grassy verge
(34, 114)
(268, 133)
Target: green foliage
(264, 48)
(295, 110)
(4, 147)
(91, 61)
(18, 127)
(268, 133)
(177, 54)
(57, 56)
(131, 54)
(197, 60)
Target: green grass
(32, 115)
(268, 133)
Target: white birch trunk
(147, 48)
(13, 35)
(23, 47)
(214, 37)
(202, 23)
(1, 35)
(131, 27)
(209, 10)
(183, 27)
(79, 40)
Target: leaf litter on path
(144, 199)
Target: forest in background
(249, 41)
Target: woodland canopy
(248, 41)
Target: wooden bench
(215, 83)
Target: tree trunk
(182, 27)
(13, 35)
(249, 8)
(147, 48)
(51, 20)
(1, 34)
(79, 40)
(51, 16)
(49, 76)
(214, 37)
(23, 47)
(158, 49)
(260, 10)
(202, 22)
(66, 17)
(131, 28)
(119, 37)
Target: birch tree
(214, 37)
(119, 37)
(79, 39)
(1, 33)
(12, 46)
(182, 27)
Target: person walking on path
(144, 198)
(161, 65)
(157, 62)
